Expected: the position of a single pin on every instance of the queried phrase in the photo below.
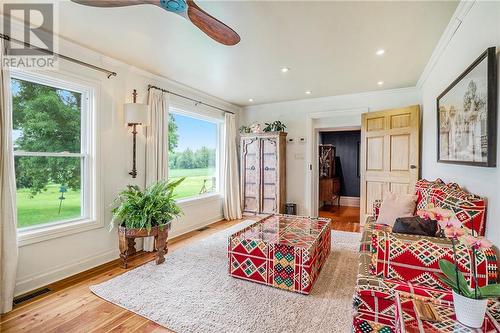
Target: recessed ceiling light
(380, 83)
(380, 52)
(250, 99)
(309, 92)
(285, 69)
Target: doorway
(339, 177)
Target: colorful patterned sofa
(390, 262)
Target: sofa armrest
(415, 259)
(366, 236)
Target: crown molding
(456, 20)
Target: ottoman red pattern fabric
(282, 251)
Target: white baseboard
(349, 201)
(35, 281)
(40, 279)
(202, 224)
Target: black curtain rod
(188, 98)
(76, 61)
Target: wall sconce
(135, 114)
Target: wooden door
(250, 176)
(390, 154)
(269, 175)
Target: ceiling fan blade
(214, 28)
(116, 3)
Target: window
(193, 153)
(51, 120)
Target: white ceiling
(328, 46)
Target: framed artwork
(467, 115)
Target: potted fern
(144, 213)
(470, 303)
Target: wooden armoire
(263, 168)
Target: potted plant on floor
(143, 214)
(470, 303)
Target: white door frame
(336, 120)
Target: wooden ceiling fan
(188, 9)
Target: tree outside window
(47, 149)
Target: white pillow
(396, 205)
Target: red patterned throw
(469, 208)
(415, 259)
(282, 251)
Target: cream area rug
(192, 292)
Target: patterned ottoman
(282, 251)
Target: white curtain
(156, 144)
(8, 217)
(230, 175)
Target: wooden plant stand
(127, 238)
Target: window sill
(199, 199)
(31, 236)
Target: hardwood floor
(343, 218)
(70, 306)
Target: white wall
(480, 29)
(295, 115)
(51, 260)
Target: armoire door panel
(269, 191)
(269, 146)
(251, 204)
(269, 174)
(251, 174)
(252, 190)
(269, 205)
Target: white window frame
(90, 190)
(196, 199)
